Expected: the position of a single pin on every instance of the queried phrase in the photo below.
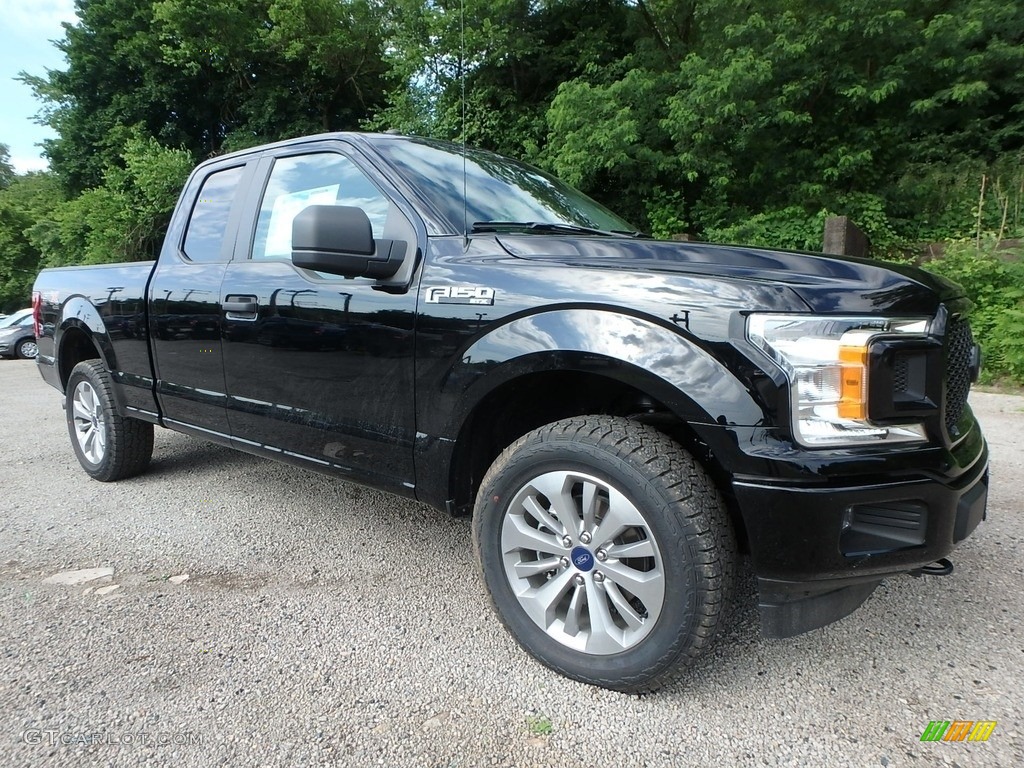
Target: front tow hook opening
(941, 567)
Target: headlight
(826, 361)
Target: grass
(539, 725)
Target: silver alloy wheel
(582, 562)
(90, 426)
(28, 349)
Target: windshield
(497, 189)
(11, 320)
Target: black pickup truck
(622, 416)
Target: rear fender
(79, 313)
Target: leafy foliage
(715, 117)
(727, 121)
(791, 228)
(24, 203)
(6, 169)
(125, 218)
(207, 75)
(994, 281)
(507, 56)
(751, 110)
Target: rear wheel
(606, 550)
(109, 447)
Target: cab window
(304, 180)
(204, 236)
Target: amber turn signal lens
(853, 389)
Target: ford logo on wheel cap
(582, 558)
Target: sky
(27, 28)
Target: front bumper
(818, 552)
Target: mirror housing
(338, 239)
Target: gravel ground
(323, 623)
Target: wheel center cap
(582, 558)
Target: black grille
(901, 375)
(959, 346)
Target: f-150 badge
(460, 294)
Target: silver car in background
(17, 335)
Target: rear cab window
(211, 212)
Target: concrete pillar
(843, 238)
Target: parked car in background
(17, 336)
(11, 319)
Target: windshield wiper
(549, 226)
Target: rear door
(184, 299)
(320, 367)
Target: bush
(941, 201)
(791, 228)
(995, 283)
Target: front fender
(660, 361)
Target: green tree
(24, 202)
(276, 68)
(207, 75)
(719, 118)
(125, 218)
(814, 103)
(6, 169)
(507, 56)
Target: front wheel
(607, 551)
(27, 349)
(109, 447)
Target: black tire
(26, 349)
(680, 545)
(108, 446)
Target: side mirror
(338, 239)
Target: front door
(320, 367)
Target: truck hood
(827, 284)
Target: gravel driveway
(323, 623)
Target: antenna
(462, 78)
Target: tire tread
(693, 505)
(129, 441)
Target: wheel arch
(633, 368)
(81, 335)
